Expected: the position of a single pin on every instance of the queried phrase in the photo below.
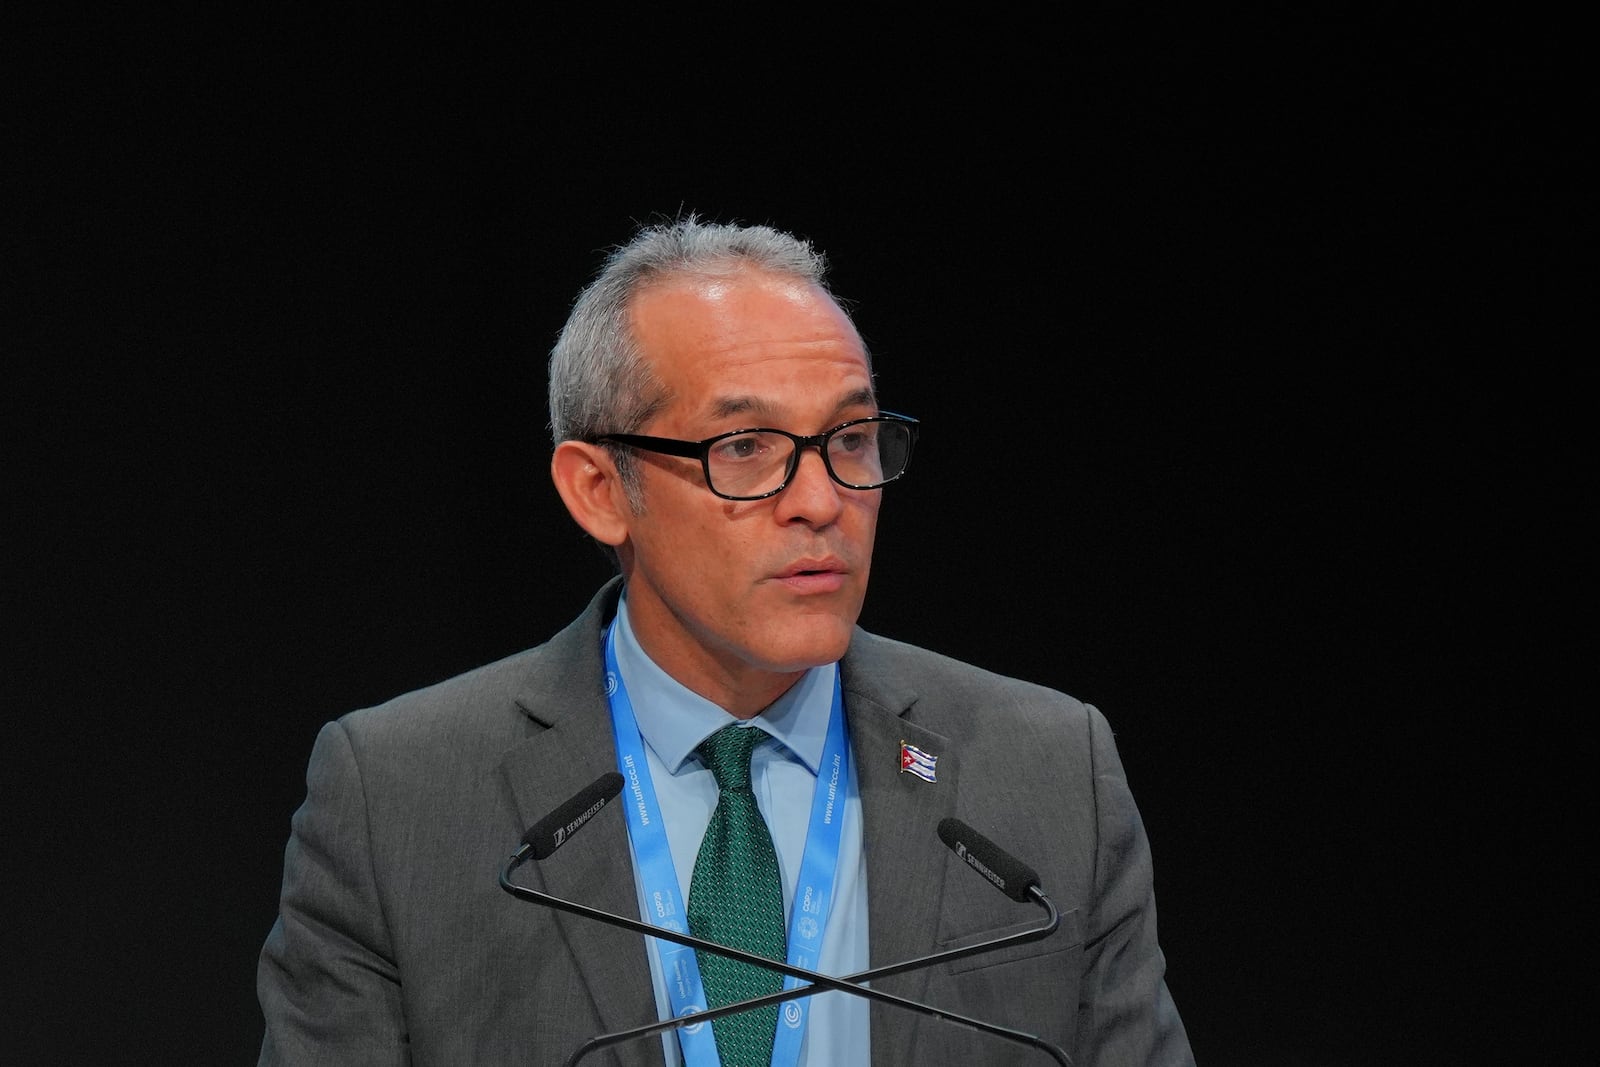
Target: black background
(1247, 417)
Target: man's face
(734, 598)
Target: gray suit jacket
(395, 943)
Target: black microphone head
(1009, 874)
(553, 831)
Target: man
(716, 431)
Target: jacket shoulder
(497, 701)
(478, 702)
(936, 685)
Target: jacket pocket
(1066, 937)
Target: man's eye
(744, 447)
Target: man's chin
(809, 644)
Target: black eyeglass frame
(701, 450)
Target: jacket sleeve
(327, 979)
(1126, 1016)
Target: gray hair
(599, 380)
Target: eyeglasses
(758, 463)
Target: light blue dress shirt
(673, 721)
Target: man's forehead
(727, 298)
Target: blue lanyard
(813, 897)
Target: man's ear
(587, 480)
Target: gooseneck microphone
(550, 832)
(1014, 878)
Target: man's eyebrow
(737, 405)
(725, 406)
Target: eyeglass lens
(861, 455)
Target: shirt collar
(673, 720)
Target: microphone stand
(819, 982)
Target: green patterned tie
(735, 899)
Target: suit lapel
(592, 868)
(571, 745)
(901, 813)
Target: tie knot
(727, 753)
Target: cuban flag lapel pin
(915, 761)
